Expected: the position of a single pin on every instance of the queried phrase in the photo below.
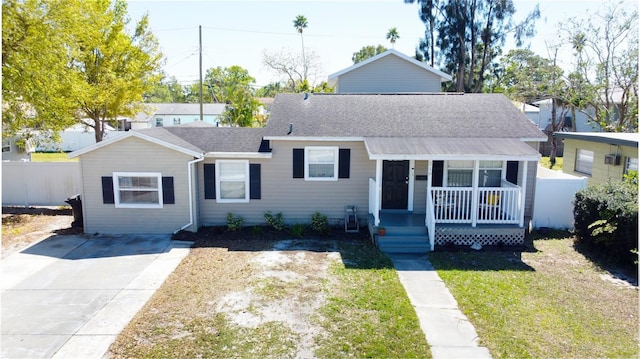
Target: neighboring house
(388, 72)
(532, 112)
(173, 114)
(76, 137)
(12, 151)
(601, 156)
(563, 114)
(432, 167)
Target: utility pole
(201, 110)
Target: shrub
(234, 223)
(297, 230)
(256, 231)
(276, 221)
(606, 221)
(320, 223)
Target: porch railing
(499, 205)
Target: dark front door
(395, 184)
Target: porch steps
(404, 239)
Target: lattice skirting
(466, 236)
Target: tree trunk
(554, 146)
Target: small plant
(297, 230)
(320, 223)
(256, 231)
(276, 221)
(234, 223)
(381, 230)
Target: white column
(412, 180)
(523, 192)
(474, 196)
(378, 205)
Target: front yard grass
(546, 163)
(255, 296)
(548, 302)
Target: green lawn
(52, 157)
(545, 162)
(548, 302)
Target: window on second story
(159, 122)
(584, 161)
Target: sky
(239, 32)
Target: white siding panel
(133, 155)
(296, 198)
(389, 74)
(420, 188)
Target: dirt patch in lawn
(232, 287)
(24, 226)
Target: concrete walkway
(448, 331)
(69, 296)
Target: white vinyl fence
(555, 191)
(39, 183)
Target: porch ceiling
(421, 148)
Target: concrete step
(405, 243)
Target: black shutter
(168, 196)
(298, 163)
(512, 171)
(107, 190)
(254, 181)
(344, 163)
(437, 173)
(209, 181)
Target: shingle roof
(209, 139)
(445, 115)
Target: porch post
(474, 197)
(429, 174)
(523, 192)
(378, 205)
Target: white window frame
(581, 163)
(176, 121)
(307, 163)
(453, 165)
(490, 168)
(628, 164)
(6, 144)
(159, 122)
(116, 189)
(219, 179)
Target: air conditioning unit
(612, 160)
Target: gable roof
(613, 138)
(433, 115)
(333, 78)
(193, 139)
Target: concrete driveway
(70, 296)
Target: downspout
(190, 175)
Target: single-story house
(600, 156)
(173, 114)
(449, 167)
(431, 167)
(12, 150)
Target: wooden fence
(39, 183)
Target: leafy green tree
(605, 45)
(367, 52)
(300, 23)
(270, 90)
(392, 36)
(221, 79)
(35, 75)
(241, 108)
(91, 68)
(469, 36)
(168, 90)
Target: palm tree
(300, 23)
(392, 36)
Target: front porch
(406, 233)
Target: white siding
(296, 198)
(133, 155)
(420, 188)
(389, 74)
